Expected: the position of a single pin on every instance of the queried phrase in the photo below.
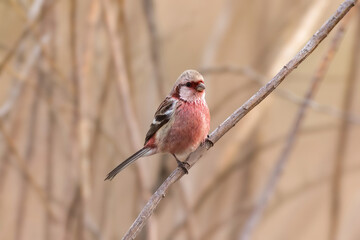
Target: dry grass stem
(149, 10)
(124, 92)
(343, 139)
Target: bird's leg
(184, 165)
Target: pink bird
(181, 122)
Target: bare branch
(149, 10)
(221, 177)
(286, 94)
(20, 162)
(343, 139)
(284, 198)
(238, 115)
(28, 158)
(35, 17)
(283, 159)
(124, 92)
(220, 29)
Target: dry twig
(286, 94)
(283, 159)
(218, 180)
(124, 92)
(149, 11)
(238, 115)
(343, 139)
(36, 16)
(284, 199)
(29, 155)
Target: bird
(181, 123)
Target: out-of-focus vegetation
(81, 79)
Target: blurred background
(81, 80)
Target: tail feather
(127, 162)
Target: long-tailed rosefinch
(180, 124)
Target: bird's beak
(200, 87)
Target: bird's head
(189, 86)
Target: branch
(343, 139)
(283, 199)
(149, 10)
(123, 88)
(220, 178)
(37, 14)
(285, 94)
(284, 157)
(231, 121)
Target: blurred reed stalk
(126, 103)
(284, 157)
(344, 129)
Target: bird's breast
(189, 127)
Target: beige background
(67, 149)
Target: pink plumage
(180, 124)
(191, 126)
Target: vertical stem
(190, 222)
(50, 26)
(124, 91)
(149, 10)
(78, 204)
(344, 129)
(49, 158)
(28, 156)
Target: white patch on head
(185, 93)
(191, 95)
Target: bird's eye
(188, 84)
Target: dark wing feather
(162, 116)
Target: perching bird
(181, 122)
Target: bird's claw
(209, 141)
(183, 165)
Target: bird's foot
(183, 165)
(207, 140)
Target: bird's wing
(162, 116)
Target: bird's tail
(127, 162)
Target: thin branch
(99, 111)
(306, 24)
(124, 93)
(231, 121)
(218, 33)
(283, 159)
(343, 139)
(50, 168)
(22, 77)
(285, 198)
(49, 27)
(218, 180)
(85, 125)
(10, 102)
(286, 94)
(20, 162)
(190, 220)
(79, 197)
(122, 77)
(149, 10)
(28, 157)
(34, 19)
